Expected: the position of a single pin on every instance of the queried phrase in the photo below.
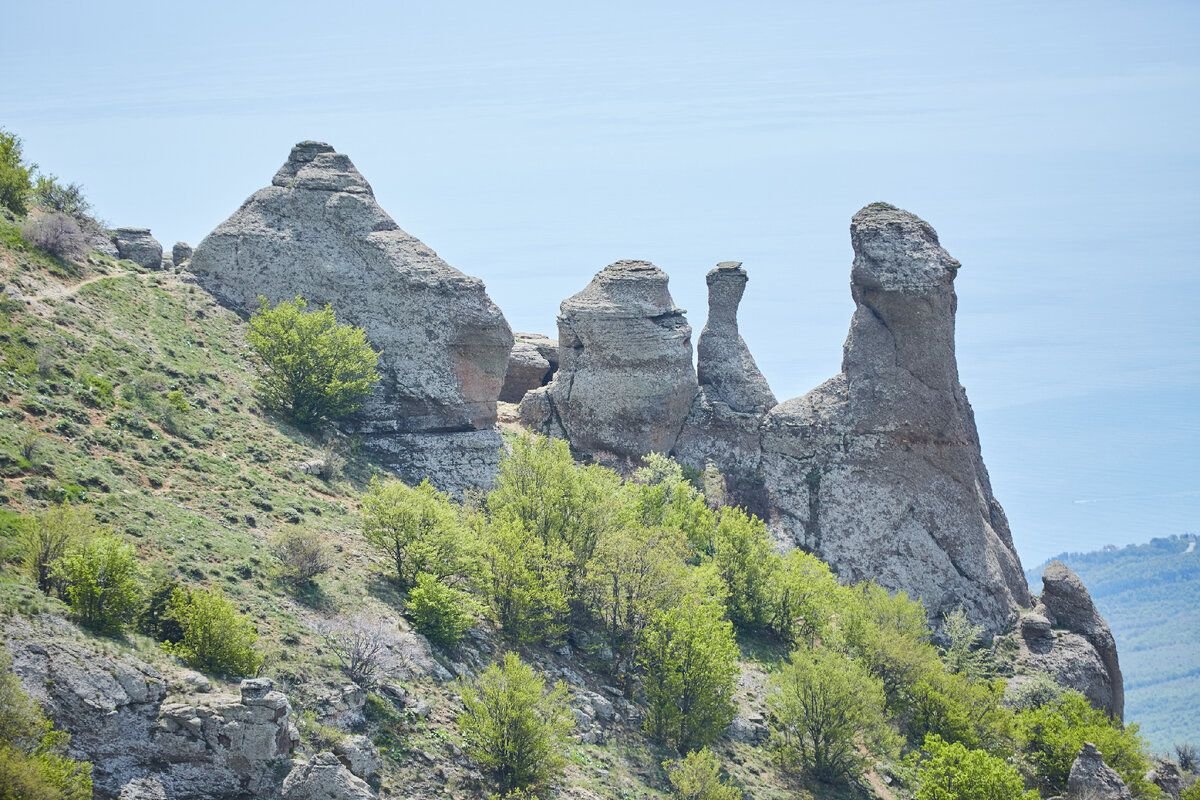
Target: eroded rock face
(317, 231)
(138, 246)
(531, 364)
(142, 742)
(325, 778)
(723, 428)
(1092, 779)
(181, 253)
(1065, 637)
(879, 470)
(626, 381)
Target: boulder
(531, 363)
(879, 470)
(181, 253)
(1065, 637)
(1168, 777)
(1092, 779)
(317, 231)
(359, 756)
(723, 428)
(625, 382)
(325, 778)
(138, 246)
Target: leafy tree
(963, 652)
(826, 711)
(634, 574)
(889, 635)
(418, 528)
(33, 760)
(155, 617)
(312, 367)
(101, 583)
(442, 613)
(959, 710)
(950, 771)
(803, 598)
(663, 497)
(697, 776)
(216, 638)
(303, 555)
(514, 727)
(690, 658)
(47, 539)
(67, 199)
(525, 580)
(1191, 793)
(747, 563)
(1055, 733)
(15, 183)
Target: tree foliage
(216, 638)
(697, 776)
(101, 583)
(47, 538)
(418, 529)
(441, 613)
(312, 367)
(951, 771)
(526, 580)
(514, 727)
(15, 180)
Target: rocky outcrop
(1168, 777)
(723, 426)
(325, 778)
(1092, 779)
(142, 741)
(317, 231)
(181, 253)
(532, 362)
(626, 382)
(1065, 637)
(878, 470)
(138, 246)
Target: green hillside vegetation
(1150, 595)
(133, 433)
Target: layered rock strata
(317, 231)
(625, 382)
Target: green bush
(803, 599)
(15, 183)
(691, 663)
(747, 562)
(313, 368)
(303, 555)
(100, 583)
(216, 638)
(525, 580)
(950, 771)
(964, 652)
(827, 713)
(48, 537)
(98, 391)
(33, 761)
(514, 727)
(155, 618)
(697, 776)
(418, 529)
(664, 497)
(65, 198)
(439, 612)
(1055, 733)
(1191, 793)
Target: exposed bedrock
(878, 470)
(625, 381)
(1064, 636)
(723, 425)
(317, 231)
(1091, 779)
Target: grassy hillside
(1150, 595)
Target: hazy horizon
(1055, 150)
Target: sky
(1054, 146)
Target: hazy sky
(1055, 147)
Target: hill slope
(1150, 595)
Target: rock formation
(325, 778)
(723, 426)
(181, 253)
(1092, 779)
(1065, 637)
(626, 381)
(532, 362)
(1168, 777)
(317, 231)
(878, 470)
(138, 246)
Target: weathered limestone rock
(357, 754)
(196, 747)
(317, 231)
(181, 253)
(1092, 779)
(1168, 777)
(531, 363)
(626, 381)
(325, 778)
(1065, 637)
(138, 246)
(878, 470)
(723, 426)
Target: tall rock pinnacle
(317, 231)
(879, 469)
(625, 381)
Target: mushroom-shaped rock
(317, 231)
(722, 428)
(1092, 779)
(626, 381)
(879, 470)
(138, 246)
(181, 253)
